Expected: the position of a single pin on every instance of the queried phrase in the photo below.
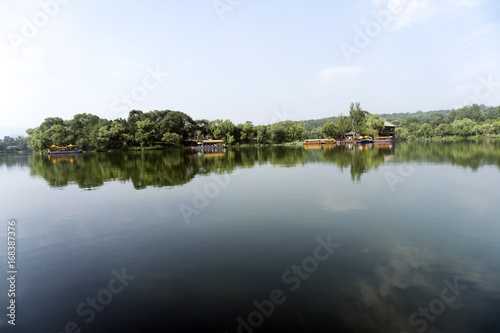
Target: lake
(399, 238)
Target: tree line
(166, 128)
(359, 121)
(10, 144)
(157, 129)
(464, 122)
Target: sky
(259, 61)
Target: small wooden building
(391, 128)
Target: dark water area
(402, 238)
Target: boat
(318, 142)
(384, 139)
(69, 149)
(328, 141)
(210, 144)
(364, 140)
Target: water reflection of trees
(467, 154)
(359, 159)
(178, 167)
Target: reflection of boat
(313, 146)
(211, 152)
(211, 144)
(69, 149)
(57, 158)
(365, 146)
(364, 140)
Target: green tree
(424, 131)
(60, 134)
(436, 119)
(343, 124)
(477, 129)
(294, 131)
(145, 132)
(172, 139)
(36, 139)
(316, 133)
(331, 130)
(278, 132)
(443, 129)
(495, 126)
(230, 140)
(374, 125)
(464, 127)
(261, 134)
(402, 132)
(357, 117)
(486, 128)
(247, 132)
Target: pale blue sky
(262, 61)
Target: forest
(10, 144)
(155, 129)
(463, 122)
(172, 129)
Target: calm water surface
(380, 239)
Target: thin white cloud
(413, 11)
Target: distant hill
(420, 115)
(315, 123)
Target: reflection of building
(391, 128)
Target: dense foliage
(161, 129)
(358, 121)
(9, 144)
(464, 122)
(155, 129)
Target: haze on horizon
(244, 60)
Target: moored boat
(383, 139)
(364, 140)
(69, 149)
(211, 144)
(318, 142)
